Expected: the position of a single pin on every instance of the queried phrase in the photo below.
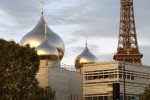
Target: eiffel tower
(128, 49)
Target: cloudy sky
(72, 20)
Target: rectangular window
(94, 98)
(141, 78)
(128, 76)
(89, 98)
(95, 77)
(120, 75)
(74, 97)
(147, 79)
(86, 78)
(136, 78)
(129, 98)
(100, 77)
(105, 98)
(71, 97)
(115, 75)
(100, 98)
(90, 77)
(86, 98)
(46, 63)
(105, 76)
(132, 77)
(111, 76)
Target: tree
(146, 94)
(18, 67)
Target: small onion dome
(46, 51)
(36, 37)
(86, 57)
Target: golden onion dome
(36, 37)
(86, 57)
(46, 50)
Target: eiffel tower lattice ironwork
(128, 49)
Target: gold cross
(42, 3)
(86, 37)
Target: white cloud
(2, 12)
(72, 20)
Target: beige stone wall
(103, 86)
(79, 70)
(66, 83)
(59, 81)
(76, 82)
(141, 74)
(100, 66)
(98, 86)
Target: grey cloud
(144, 33)
(97, 33)
(18, 8)
(91, 22)
(106, 57)
(76, 50)
(70, 41)
(73, 52)
(94, 48)
(21, 14)
(145, 50)
(85, 11)
(95, 18)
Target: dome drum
(79, 64)
(46, 57)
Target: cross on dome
(42, 3)
(86, 38)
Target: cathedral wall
(76, 81)
(58, 79)
(42, 74)
(66, 84)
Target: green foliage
(44, 94)
(146, 94)
(18, 67)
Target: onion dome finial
(86, 37)
(42, 3)
(36, 36)
(86, 57)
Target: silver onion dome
(46, 50)
(36, 37)
(86, 57)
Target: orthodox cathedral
(92, 80)
(50, 47)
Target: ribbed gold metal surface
(36, 37)
(85, 57)
(46, 49)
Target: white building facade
(98, 80)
